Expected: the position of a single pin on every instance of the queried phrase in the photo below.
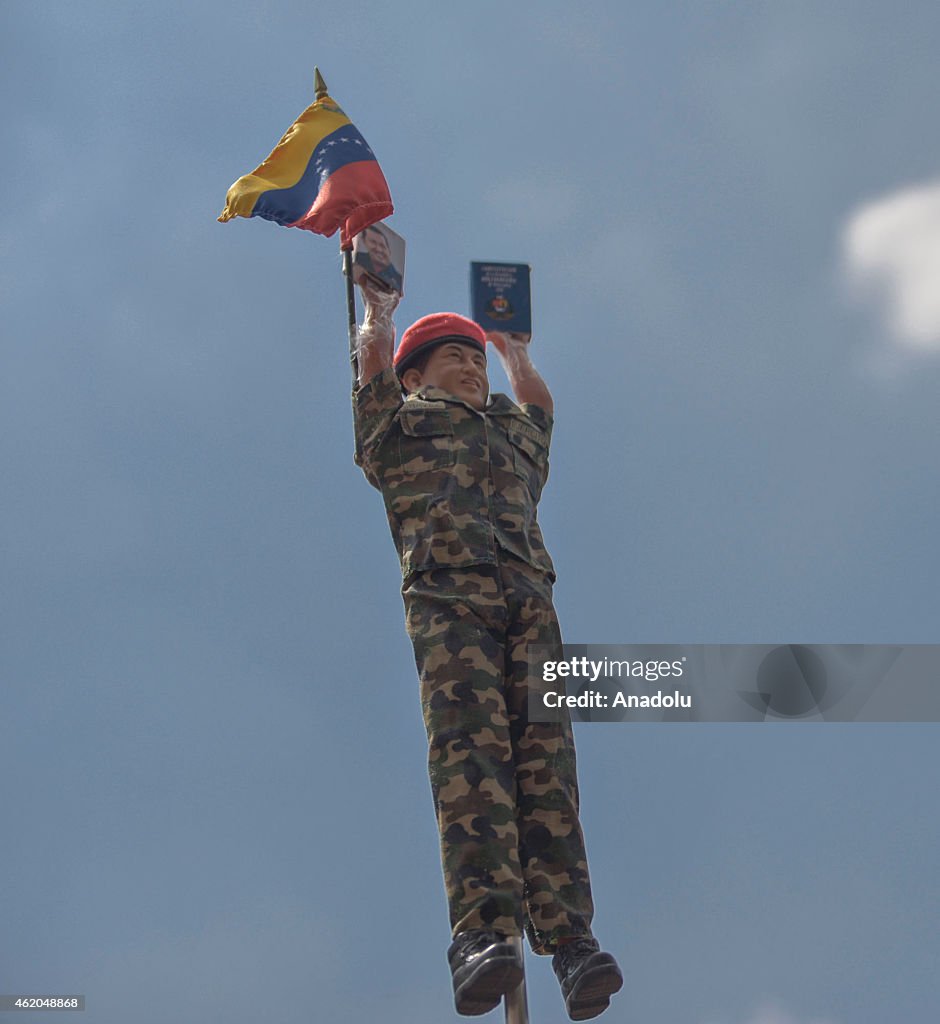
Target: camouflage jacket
(457, 483)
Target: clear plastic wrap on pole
(375, 336)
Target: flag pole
(351, 309)
(319, 86)
(320, 90)
(515, 1004)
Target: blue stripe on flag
(286, 205)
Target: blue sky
(213, 767)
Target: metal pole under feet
(514, 1002)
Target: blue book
(500, 299)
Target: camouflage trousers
(505, 789)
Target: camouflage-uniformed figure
(461, 475)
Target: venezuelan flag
(321, 176)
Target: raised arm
(525, 381)
(377, 333)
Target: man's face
(460, 370)
(377, 247)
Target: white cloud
(770, 1014)
(891, 249)
(533, 202)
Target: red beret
(433, 330)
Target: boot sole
(591, 996)
(486, 985)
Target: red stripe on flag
(352, 198)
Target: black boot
(484, 967)
(588, 977)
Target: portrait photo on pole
(379, 257)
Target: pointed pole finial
(318, 84)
